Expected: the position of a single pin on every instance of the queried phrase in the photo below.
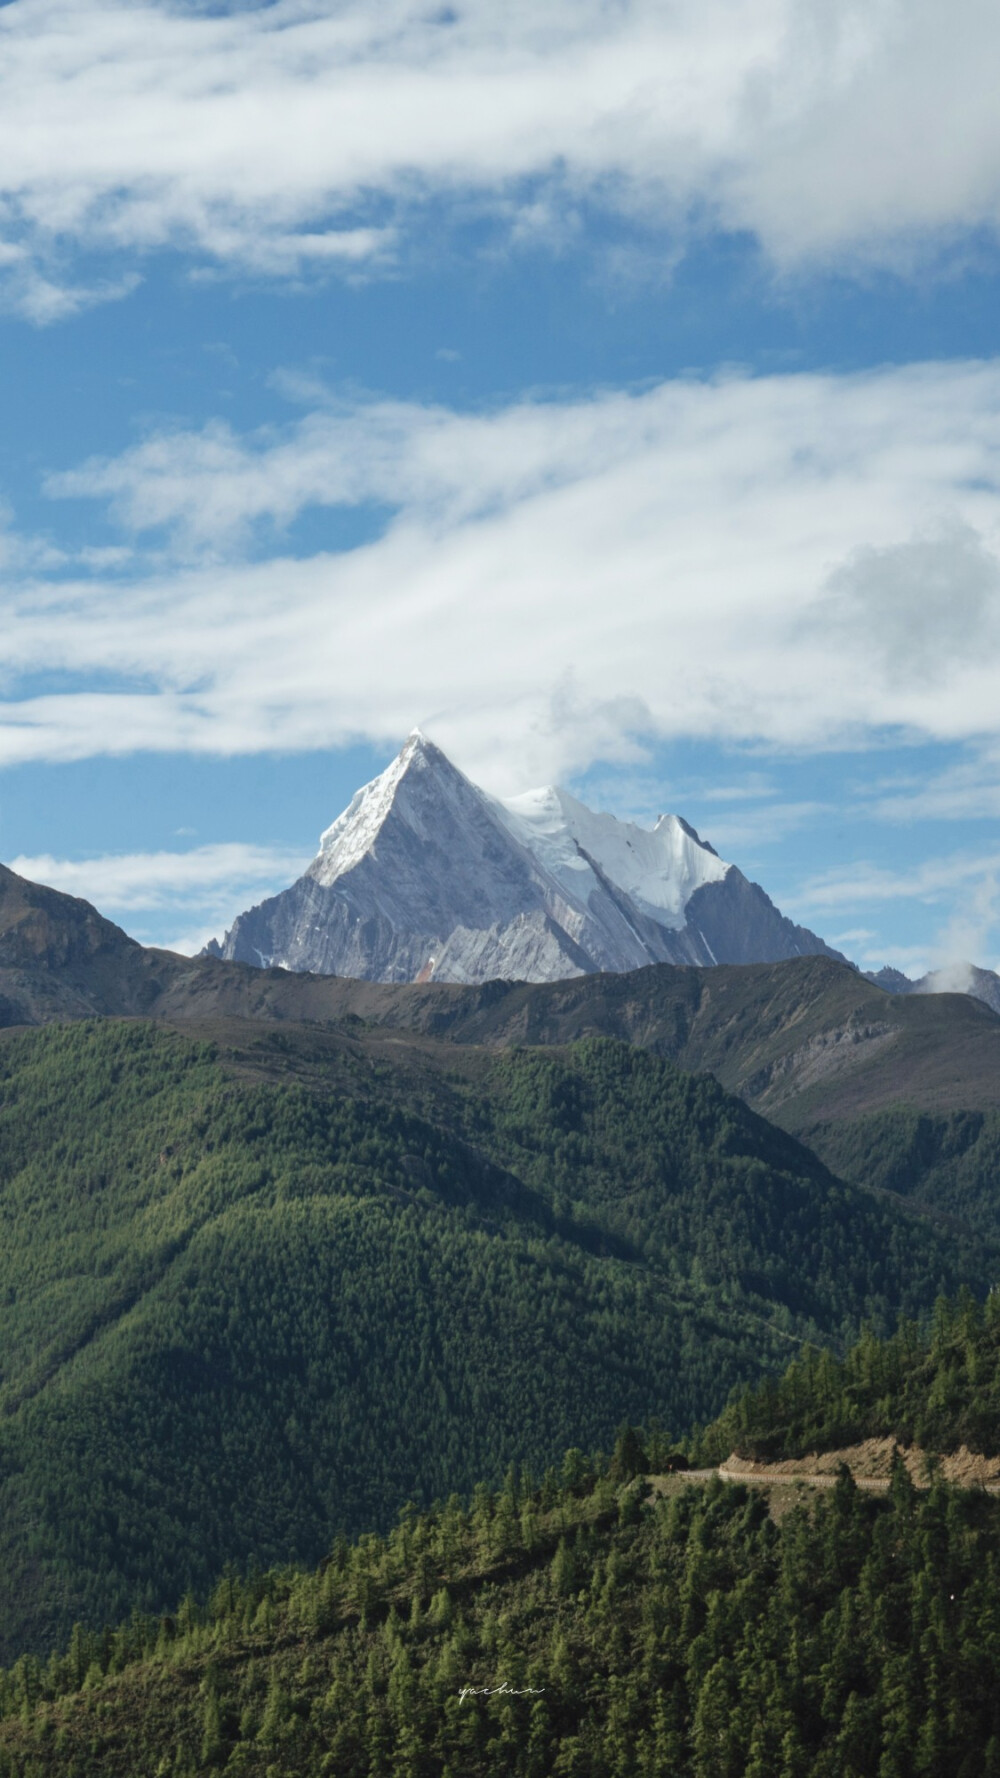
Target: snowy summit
(424, 876)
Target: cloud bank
(295, 135)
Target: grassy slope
(237, 1314)
(804, 1039)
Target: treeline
(937, 1386)
(589, 1627)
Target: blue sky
(611, 389)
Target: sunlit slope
(936, 1387)
(611, 1626)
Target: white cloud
(21, 554)
(43, 300)
(557, 582)
(754, 787)
(972, 924)
(746, 834)
(119, 881)
(274, 135)
(868, 950)
(911, 960)
(966, 790)
(920, 605)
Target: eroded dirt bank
(870, 1464)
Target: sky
(611, 389)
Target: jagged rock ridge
(425, 877)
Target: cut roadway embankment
(870, 1465)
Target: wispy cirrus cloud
(274, 137)
(553, 580)
(740, 831)
(933, 879)
(962, 887)
(967, 789)
(156, 879)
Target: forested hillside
(937, 1387)
(240, 1315)
(947, 1161)
(894, 1091)
(592, 1630)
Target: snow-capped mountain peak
(425, 875)
(355, 831)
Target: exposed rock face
(59, 958)
(42, 926)
(425, 877)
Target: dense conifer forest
(936, 1386)
(239, 1315)
(947, 1161)
(595, 1626)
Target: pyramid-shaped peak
(425, 872)
(420, 754)
(678, 823)
(419, 768)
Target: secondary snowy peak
(659, 869)
(425, 875)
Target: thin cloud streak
(739, 833)
(967, 886)
(968, 790)
(858, 884)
